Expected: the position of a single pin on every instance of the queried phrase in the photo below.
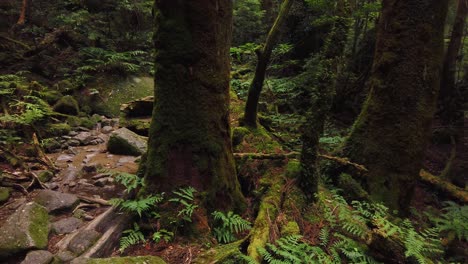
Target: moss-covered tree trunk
(390, 135)
(250, 113)
(189, 138)
(321, 99)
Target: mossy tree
(321, 97)
(189, 138)
(264, 54)
(390, 135)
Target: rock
(138, 108)
(58, 129)
(65, 157)
(38, 257)
(107, 129)
(52, 185)
(83, 240)
(27, 228)
(72, 133)
(16, 204)
(136, 124)
(4, 194)
(103, 181)
(66, 225)
(73, 142)
(55, 201)
(64, 257)
(120, 260)
(125, 142)
(45, 176)
(67, 105)
(90, 168)
(51, 145)
(83, 137)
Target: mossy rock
(26, 229)
(67, 105)
(45, 176)
(50, 96)
(4, 194)
(125, 142)
(35, 86)
(58, 129)
(138, 125)
(120, 260)
(238, 134)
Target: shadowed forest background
(244, 131)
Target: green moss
(125, 260)
(87, 122)
(67, 105)
(58, 129)
(39, 228)
(238, 134)
(73, 121)
(293, 168)
(45, 176)
(291, 228)
(4, 194)
(219, 254)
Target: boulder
(27, 228)
(38, 257)
(56, 201)
(120, 260)
(66, 225)
(138, 108)
(67, 105)
(125, 142)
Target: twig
(93, 200)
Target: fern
(162, 234)
(228, 225)
(324, 236)
(130, 181)
(132, 237)
(455, 219)
(185, 197)
(139, 206)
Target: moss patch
(4, 194)
(123, 260)
(67, 105)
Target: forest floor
(83, 171)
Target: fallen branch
(452, 190)
(35, 181)
(43, 157)
(295, 155)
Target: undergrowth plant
(228, 225)
(454, 220)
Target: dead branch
(444, 186)
(93, 200)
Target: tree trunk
(451, 112)
(390, 135)
(189, 138)
(250, 114)
(321, 100)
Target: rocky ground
(67, 218)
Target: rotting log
(444, 186)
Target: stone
(51, 145)
(27, 228)
(84, 137)
(125, 142)
(83, 240)
(73, 142)
(65, 157)
(66, 225)
(45, 176)
(107, 129)
(56, 201)
(38, 257)
(72, 133)
(138, 108)
(4, 194)
(67, 105)
(64, 257)
(103, 181)
(52, 185)
(120, 260)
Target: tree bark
(391, 133)
(250, 114)
(321, 100)
(451, 112)
(189, 138)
